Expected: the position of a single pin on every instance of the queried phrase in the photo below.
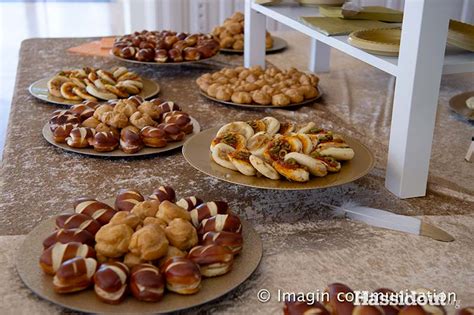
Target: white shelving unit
(418, 70)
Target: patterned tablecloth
(304, 249)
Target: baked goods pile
(142, 245)
(165, 46)
(93, 84)
(129, 124)
(333, 301)
(231, 33)
(255, 85)
(270, 148)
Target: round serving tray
(47, 134)
(458, 104)
(279, 44)
(39, 89)
(153, 63)
(41, 284)
(196, 152)
(305, 102)
(380, 41)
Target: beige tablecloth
(303, 248)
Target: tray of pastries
(73, 86)
(231, 36)
(120, 128)
(256, 87)
(463, 104)
(164, 47)
(138, 254)
(267, 153)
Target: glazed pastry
(169, 211)
(113, 240)
(263, 167)
(52, 258)
(233, 139)
(79, 221)
(130, 140)
(90, 122)
(258, 142)
(221, 222)
(69, 235)
(181, 234)
(102, 109)
(207, 210)
(293, 171)
(141, 120)
(149, 242)
(127, 198)
(239, 127)
(233, 241)
(173, 131)
(150, 108)
(114, 119)
(153, 137)
(220, 154)
(189, 203)
(241, 160)
(213, 260)
(125, 217)
(182, 275)
(181, 119)
(163, 193)
(166, 107)
(61, 118)
(95, 209)
(84, 110)
(62, 132)
(74, 275)
(146, 283)
(338, 150)
(145, 209)
(314, 166)
(105, 141)
(111, 282)
(79, 137)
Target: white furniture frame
(418, 71)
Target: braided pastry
(80, 137)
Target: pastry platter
(458, 104)
(47, 134)
(196, 152)
(279, 44)
(159, 64)
(39, 89)
(305, 102)
(85, 301)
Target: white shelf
(456, 60)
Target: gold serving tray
(196, 152)
(305, 102)
(48, 135)
(41, 284)
(39, 89)
(382, 41)
(279, 44)
(458, 104)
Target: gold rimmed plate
(458, 104)
(380, 41)
(39, 89)
(279, 44)
(30, 272)
(305, 102)
(196, 152)
(48, 135)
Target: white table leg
(319, 56)
(254, 41)
(420, 63)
